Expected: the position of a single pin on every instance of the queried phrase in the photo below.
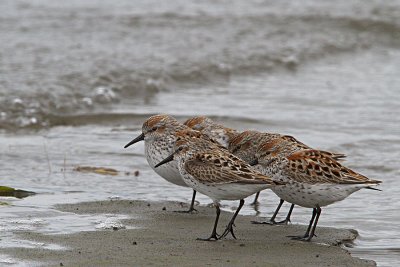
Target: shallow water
(72, 95)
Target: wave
(57, 67)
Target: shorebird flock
(226, 164)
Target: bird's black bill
(373, 188)
(166, 160)
(137, 139)
(253, 162)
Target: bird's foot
(190, 210)
(213, 237)
(255, 203)
(305, 238)
(229, 229)
(284, 222)
(270, 222)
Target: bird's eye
(153, 129)
(180, 149)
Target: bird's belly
(169, 171)
(311, 196)
(228, 191)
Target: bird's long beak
(166, 160)
(253, 162)
(137, 139)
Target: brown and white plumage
(213, 130)
(246, 144)
(316, 167)
(159, 136)
(286, 144)
(313, 178)
(213, 171)
(214, 167)
(158, 133)
(211, 164)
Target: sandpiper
(159, 135)
(313, 179)
(245, 145)
(215, 172)
(218, 132)
(213, 130)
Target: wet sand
(161, 237)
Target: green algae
(6, 191)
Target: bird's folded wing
(314, 166)
(210, 168)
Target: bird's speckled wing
(299, 145)
(313, 166)
(215, 167)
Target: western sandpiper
(213, 130)
(246, 144)
(313, 179)
(218, 132)
(159, 135)
(215, 172)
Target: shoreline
(155, 235)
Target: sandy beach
(157, 236)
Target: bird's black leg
(191, 209)
(255, 201)
(272, 220)
(306, 235)
(287, 220)
(214, 235)
(229, 227)
(312, 234)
